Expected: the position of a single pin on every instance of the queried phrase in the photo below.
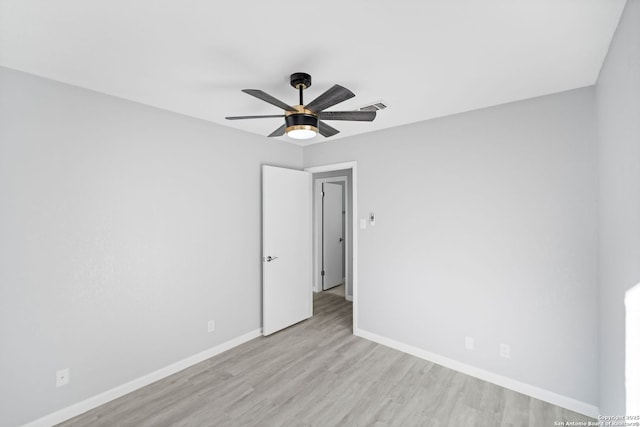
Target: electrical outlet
(211, 325)
(62, 377)
(505, 351)
(468, 343)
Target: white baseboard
(109, 395)
(506, 382)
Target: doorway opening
(336, 258)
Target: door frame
(317, 236)
(352, 165)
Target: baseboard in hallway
(337, 290)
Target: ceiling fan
(305, 121)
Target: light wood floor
(318, 374)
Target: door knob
(341, 239)
(270, 258)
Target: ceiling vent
(379, 105)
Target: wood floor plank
(516, 409)
(317, 373)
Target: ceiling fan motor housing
(297, 121)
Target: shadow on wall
(632, 357)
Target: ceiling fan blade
(334, 95)
(360, 116)
(326, 130)
(252, 117)
(278, 132)
(268, 98)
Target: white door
(286, 248)
(332, 235)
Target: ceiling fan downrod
(300, 81)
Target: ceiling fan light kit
(301, 131)
(302, 124)
(305, 121)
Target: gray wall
(486, 225)
(123, 230)
(618, 100)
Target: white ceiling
(425, 59)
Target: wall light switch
(363, 223)
(468, 343)
(211, 325)
(372, 219)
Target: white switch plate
(505, 351)
(363, 223)
(62, 377)
(468, 343)
(211, 325)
